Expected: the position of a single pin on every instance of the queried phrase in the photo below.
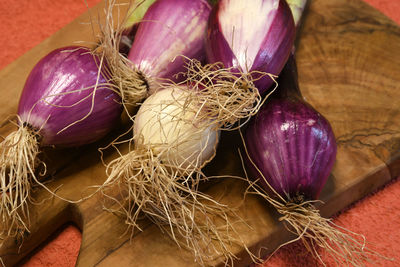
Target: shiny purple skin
(293, 146)
(170, 28)
(266, 50)
(65, 70)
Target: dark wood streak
(109, 252)
(350, 17)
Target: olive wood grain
(348, 68)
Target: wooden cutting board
(349, 70)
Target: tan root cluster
(316, 232)
(149, 186)
(226, 95)
(161, 179)
(18, 154)
(305, 221)
(129, 82)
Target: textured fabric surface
(62, 251)
(26, 23)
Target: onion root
(150, 186)
(228, 95)
(132, 84)
(18, 153)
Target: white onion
(167, 123)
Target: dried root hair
(131, 83)
(18, 157)
(168, 195)
(226, 95)
(303, 219)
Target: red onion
(169, 29)
(291, 144)
(66, 101)
(291, 149)
(246, 45)
(251, 37)
(59, 99)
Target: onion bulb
(247, 44)
(169, 29)
(162, 172)
(167, 119)
(257, 37)
(66, 101)
(291, 150)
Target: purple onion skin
(275, 41)
(291, 143)
(61, 71)
(170, 28)
(294, 148)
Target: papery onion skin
(262, 42)
(54, 78)
(169, 29)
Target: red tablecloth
(26, 23)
